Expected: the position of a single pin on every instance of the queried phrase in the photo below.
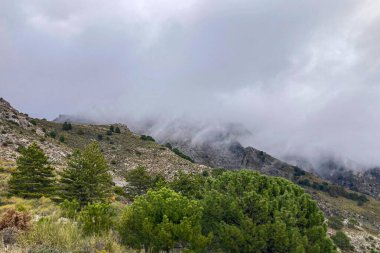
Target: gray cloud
(301, 76)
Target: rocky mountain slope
(126, 150)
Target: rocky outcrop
(235, 156)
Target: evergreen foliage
(96, 218)
(249, 212)
(147, 138)
(163, 220)
(67, 126)
(87, 177)
(342, 241)
(139, 181)
(112, 128)
(33, 177)
(117, 130)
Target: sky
(301, 77)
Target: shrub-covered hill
(123, 149)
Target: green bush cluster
(67, 126)
(334, 190)
(222, 211)
(147, 138)
(178, 152)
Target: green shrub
(33, 121)
(117, 130)
(342, 241)
(100, 137)
(249, 212)
(112, 128)
(69, 209)
(67, 126)
(147, 138)
(62, 138)
(163, 220)
(53, 134)
(96, 218)
(109, 132)
(335, 223)
(139, 181)
(180, 154)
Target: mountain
(124, 151)
(212, 149)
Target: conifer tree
(33, 177)
(87, 177)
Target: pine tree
(33, 177)
(67, 126)
(87, 177)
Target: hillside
(127, 150)
(124, 150)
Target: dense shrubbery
(244, 211)
(139, 181)
(163, 220)
(335, 190)
(221, 211)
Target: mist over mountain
(300, 77)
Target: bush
(147, 138)
(180, 154)
(80, 132)
(249, 212)
(14, 219)
(33, 121)
(53, 134)
(163, 220)
(139, 181)
(342, 241)
(335, 223)
(109, 132)
(100, 137)
(117, 130)
(67, 126)
(96, 218)
(112, 128)
(62, 138)
(69, 209)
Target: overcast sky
(301, 76)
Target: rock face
(235, 156)
(18, 130)
(367, 182)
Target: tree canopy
(86, 177)
(33, 177)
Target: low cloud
(299, 77)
